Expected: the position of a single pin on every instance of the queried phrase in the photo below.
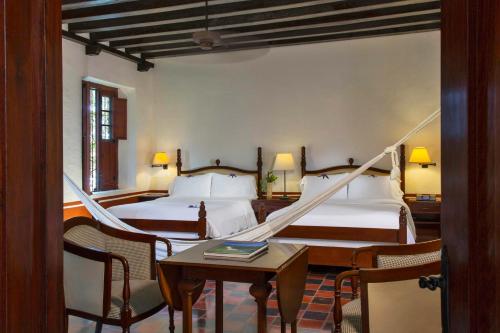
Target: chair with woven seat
(390, 264)
(110, 275)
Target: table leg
(261, 293)
(219, 306)
(187, 288)
(283, 326)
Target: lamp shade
(420, 155)
(284, 162)
(160, 159)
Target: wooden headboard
(224, 168)
(350, 166)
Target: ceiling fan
(209, 40)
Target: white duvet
(367, 213)
(224, 216)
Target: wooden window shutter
(120, 119)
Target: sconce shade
(284, 162)
(160, 159)
(420, 155)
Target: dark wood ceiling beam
(89, 3)
(295, 41)
(302, 32)
(87, 42)
(239, 19)
(154, 18)
(365, 14)
(118, 10)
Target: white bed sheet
(224, 216)
(369, 213)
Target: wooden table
(151, 196)
(182, 278)
(264, 207)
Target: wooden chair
(403, 264)
(110, 275)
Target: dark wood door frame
(31, 261)
(471, 161)
(31, 298)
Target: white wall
(135, 152)
(340, 100)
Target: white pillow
(311, 186)
(370, 187)
(191, 186)
(233, 186)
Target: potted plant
(270, 179)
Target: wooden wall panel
(3, 242)
(76, 208)
(470, 130)
(31, 289)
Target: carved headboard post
(402, 166)
(303, 161)
(179, 162)
(259, 172)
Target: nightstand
(427, 217)
(151, 196)
(264, 207)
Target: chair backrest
(397, 256)
(138, 249)
(393, 302)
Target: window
(102, 110)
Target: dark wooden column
(31, 292)
(471, 161)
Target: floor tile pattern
(315, 315)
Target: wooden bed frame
(341, 256)
(199, 226)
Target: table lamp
(160, 160)
(421, 156)
(284, 162)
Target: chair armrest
(91, 253)
(126, 313)
(167, 242)
(337, 306)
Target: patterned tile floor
(240, 310)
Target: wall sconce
(421, 156)
(160, 160)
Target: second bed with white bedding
(367, 213)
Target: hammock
(273, 226)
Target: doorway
(31, 293)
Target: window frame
(111, 93)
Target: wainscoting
(76, 208)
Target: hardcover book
(236, 250)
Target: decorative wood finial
(403, 223)
(259, 172)
(202, 221)
(303, 161)
(350, 161)
(179, 162)
(217, 162)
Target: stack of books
(235, 250)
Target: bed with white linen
(369, 211)
(207, 202)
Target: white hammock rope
(271, 227)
